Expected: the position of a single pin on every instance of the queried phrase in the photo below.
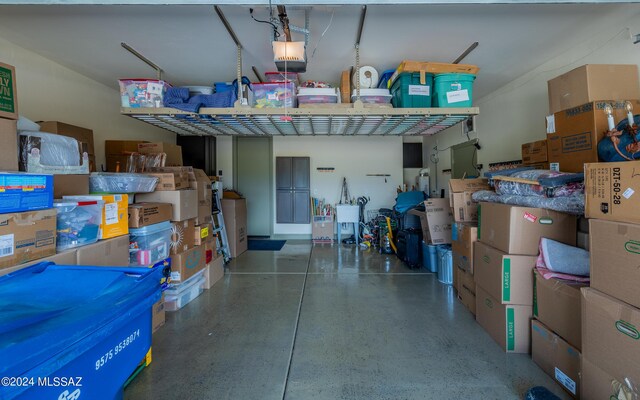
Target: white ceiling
(192, 46)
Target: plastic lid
(148, 230)
(317, 92)
(372, 92)
(67, 203)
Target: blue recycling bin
(74, 332)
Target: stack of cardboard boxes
(576, 104)
(234, 211)
(504, 256)
(195, 264)
(611, 306)
(464, 235)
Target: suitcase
(409, 244)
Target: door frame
(271, 192)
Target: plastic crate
(149, 244)
(408, 92)
(74, 321)
(77, 223)
(274, 95)
(453, 90)
(142, 93)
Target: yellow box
(115, 214)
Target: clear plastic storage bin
(105, 182)
(77, 222)
(372, 96)
(274, 95)
(317, 96)
(149, 244)
(142, 93)
(178, 296)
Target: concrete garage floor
(368, 328)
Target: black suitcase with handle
(409, 244)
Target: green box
(8, 98)
(408, 91)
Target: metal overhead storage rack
(355, 119)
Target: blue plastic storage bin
(432, 258)
(72, 322)
(453, 90)
(445, 264)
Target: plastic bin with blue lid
(88, 327)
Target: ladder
(219, 228)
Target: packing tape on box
(368, 77)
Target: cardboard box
(593, 82)
(186, 264)
(507, 324)
(615, 257)
(322, 229)
(202, 184)
(423, 222)
(466, 289)
(464, 236)
(460, 191)
(610, 339)
(112, 252)
(158, 315)
(8, 93)
(556, 304)
(21, 192)
(82, 135)
(171, 181)
(578, 131)
(598, 384)
(610, 191)
(182, 238)
(534, 152)
(203, 234)
(556, 357)
(115, 214)
(117, 153)
(517, 230)
(27, 236)
(67, 257)
(235, 219)
(439, 220)
(214, 271)
(145, 214)
(506, 277)
(70, 185)
(173, 152)
(8, 144)
(184, 202)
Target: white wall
(515, 113)
(47, 91)
(224, 160)
(352, 158)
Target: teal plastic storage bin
(453, 90)
(407, 92)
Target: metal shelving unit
(355, 121)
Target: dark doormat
(263, 244)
